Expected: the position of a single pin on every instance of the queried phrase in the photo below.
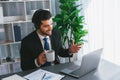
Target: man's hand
(41, 59)
(74, 48)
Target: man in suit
(32, 50)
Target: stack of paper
(14, 77)
(43, 75)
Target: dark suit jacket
(31, 47)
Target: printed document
(43, 75)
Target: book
(2, 34)
(17, 33)
(1, 14)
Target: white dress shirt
(42, 41)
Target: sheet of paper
(14, 77)
(38, 75)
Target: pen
(26, 78)
(43, 76)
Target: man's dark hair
(39, 16)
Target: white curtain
(103, 23)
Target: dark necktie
(46, 44)
(46, 47)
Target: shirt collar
(42, 37)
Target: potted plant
(70, 23)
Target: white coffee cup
(50, 55)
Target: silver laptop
(89, 63)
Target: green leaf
(69, 19)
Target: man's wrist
(36, 63)
(69, 51)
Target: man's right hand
(41, 59)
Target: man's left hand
(74, 48)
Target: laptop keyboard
(75, 72)
(70, 69)
(74, 67)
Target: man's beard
(45, 33)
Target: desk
(105, 71)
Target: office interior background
(102, 22)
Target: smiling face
(45, 27)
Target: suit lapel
(52, 42)
(38, 42)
